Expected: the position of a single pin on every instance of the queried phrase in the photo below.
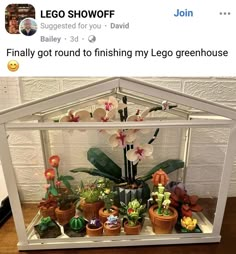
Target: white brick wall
(207, 145)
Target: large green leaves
(103, 163)
(168, 166)
(96, 172)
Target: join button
(183, 13)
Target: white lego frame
(32, 108)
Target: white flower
(122, 138)
(78, 116)
(139, 118)
(111, 103)
(165, 105)
(100, 115)
(139, 152)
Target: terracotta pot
(103, 214)
(48, 212)
(162, 224)
(91, 210)
(94, 231)
(111, 231)
(135, 230)
(64, 216)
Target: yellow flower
(107, 191)
(188, 223)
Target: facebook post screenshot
(117, 126)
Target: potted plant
(47, 207)
(134, 214)
(90, 201)
(162, 215)
(130, 186)
(112, 226)
(185, 205)
(47, 228)
(189, 225)
(107, 195)
(66, 208)
(94, 228)
(56, 182)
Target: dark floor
(8, 240)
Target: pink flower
(139, 152)
(78, 116)
(122, 138)
(47, 186)
(58, 183)
(111, 103)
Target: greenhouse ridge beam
(120, 125)
(104, 86)
(149, 89)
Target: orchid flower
(122, 138)
(111, 103)
(139, 118)
(100, 115)
(139, 152)
(165, 105)
(78, 116)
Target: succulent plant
(77, 223)
(45, 223)
(162, 198)
(133, 211)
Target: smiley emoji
(13, 65)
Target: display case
(142, 150)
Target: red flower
(130, 210)
(49, 174)
(54, 161)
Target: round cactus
(160, 177)
(77, 223)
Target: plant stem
(124, 150)
(57, 172)
(154, 136)
(160, 108)
(129, 167)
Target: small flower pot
(103, 214)
(48, 212)
(64, 216)
(91, 210)
(111, 231)
(132, 230)
(162, 224)
(94, 231)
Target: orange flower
(49, 174)
(54, 161)
(160, 177)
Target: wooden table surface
(8, 239)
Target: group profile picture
(15, 14)
(28, 27)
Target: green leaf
(103, 163)
(53, 190)
(67, 178)
(96, 172)
(67, 184)
(168, 166)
